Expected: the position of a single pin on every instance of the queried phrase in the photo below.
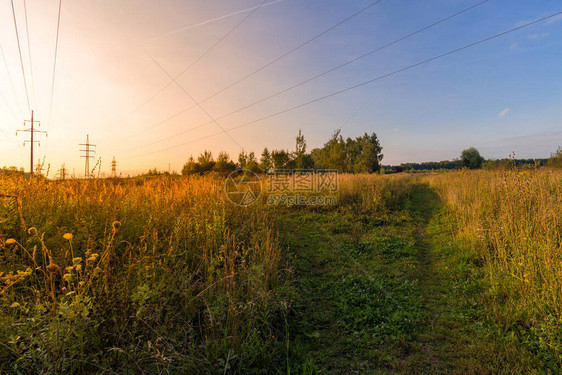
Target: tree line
(362, 154)
(350, 155)
(471, 159)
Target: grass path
(381, 295)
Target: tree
(336, 152)
(555, 159)
(205, 161)
(265, 162)
(252, 162)
(242, 159)
(301, 158)
(280, 159)
(471, 158)
(332, 155)
(191, 167)
(369, 157)
(359, 155)
(300, 148)
(223, 163)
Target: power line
(367, 82)
(8, 106)
(309, 79)
(21, 58)
(54, 66)
(4, 99)
(211, 20)
(8, 137)
(196, 60)
(18, 104)
(13, 114)
(294, 49)
(303, 44)
(197, 103)
(29, 52)
(364, 104)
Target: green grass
(386, 291)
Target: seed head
(68, 236)
(116, 225)
(32, 231)
(10, 241)
(53, 268)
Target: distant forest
(458, 164)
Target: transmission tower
(89, 150)
(31, 141)
(38, 167)
(62, 172)
(114, 167)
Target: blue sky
(501, 97)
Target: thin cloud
(538, 36)
(554, 19)
(211, 21)
(503, 113)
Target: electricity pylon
(32, 141)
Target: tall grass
(157, 275)
(512, 220)
(373, 193)
(165, 275)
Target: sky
(115, 60)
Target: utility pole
(31, 130)
(114, 167)
(88, 150)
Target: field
(456, 272)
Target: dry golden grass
(141, 257)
